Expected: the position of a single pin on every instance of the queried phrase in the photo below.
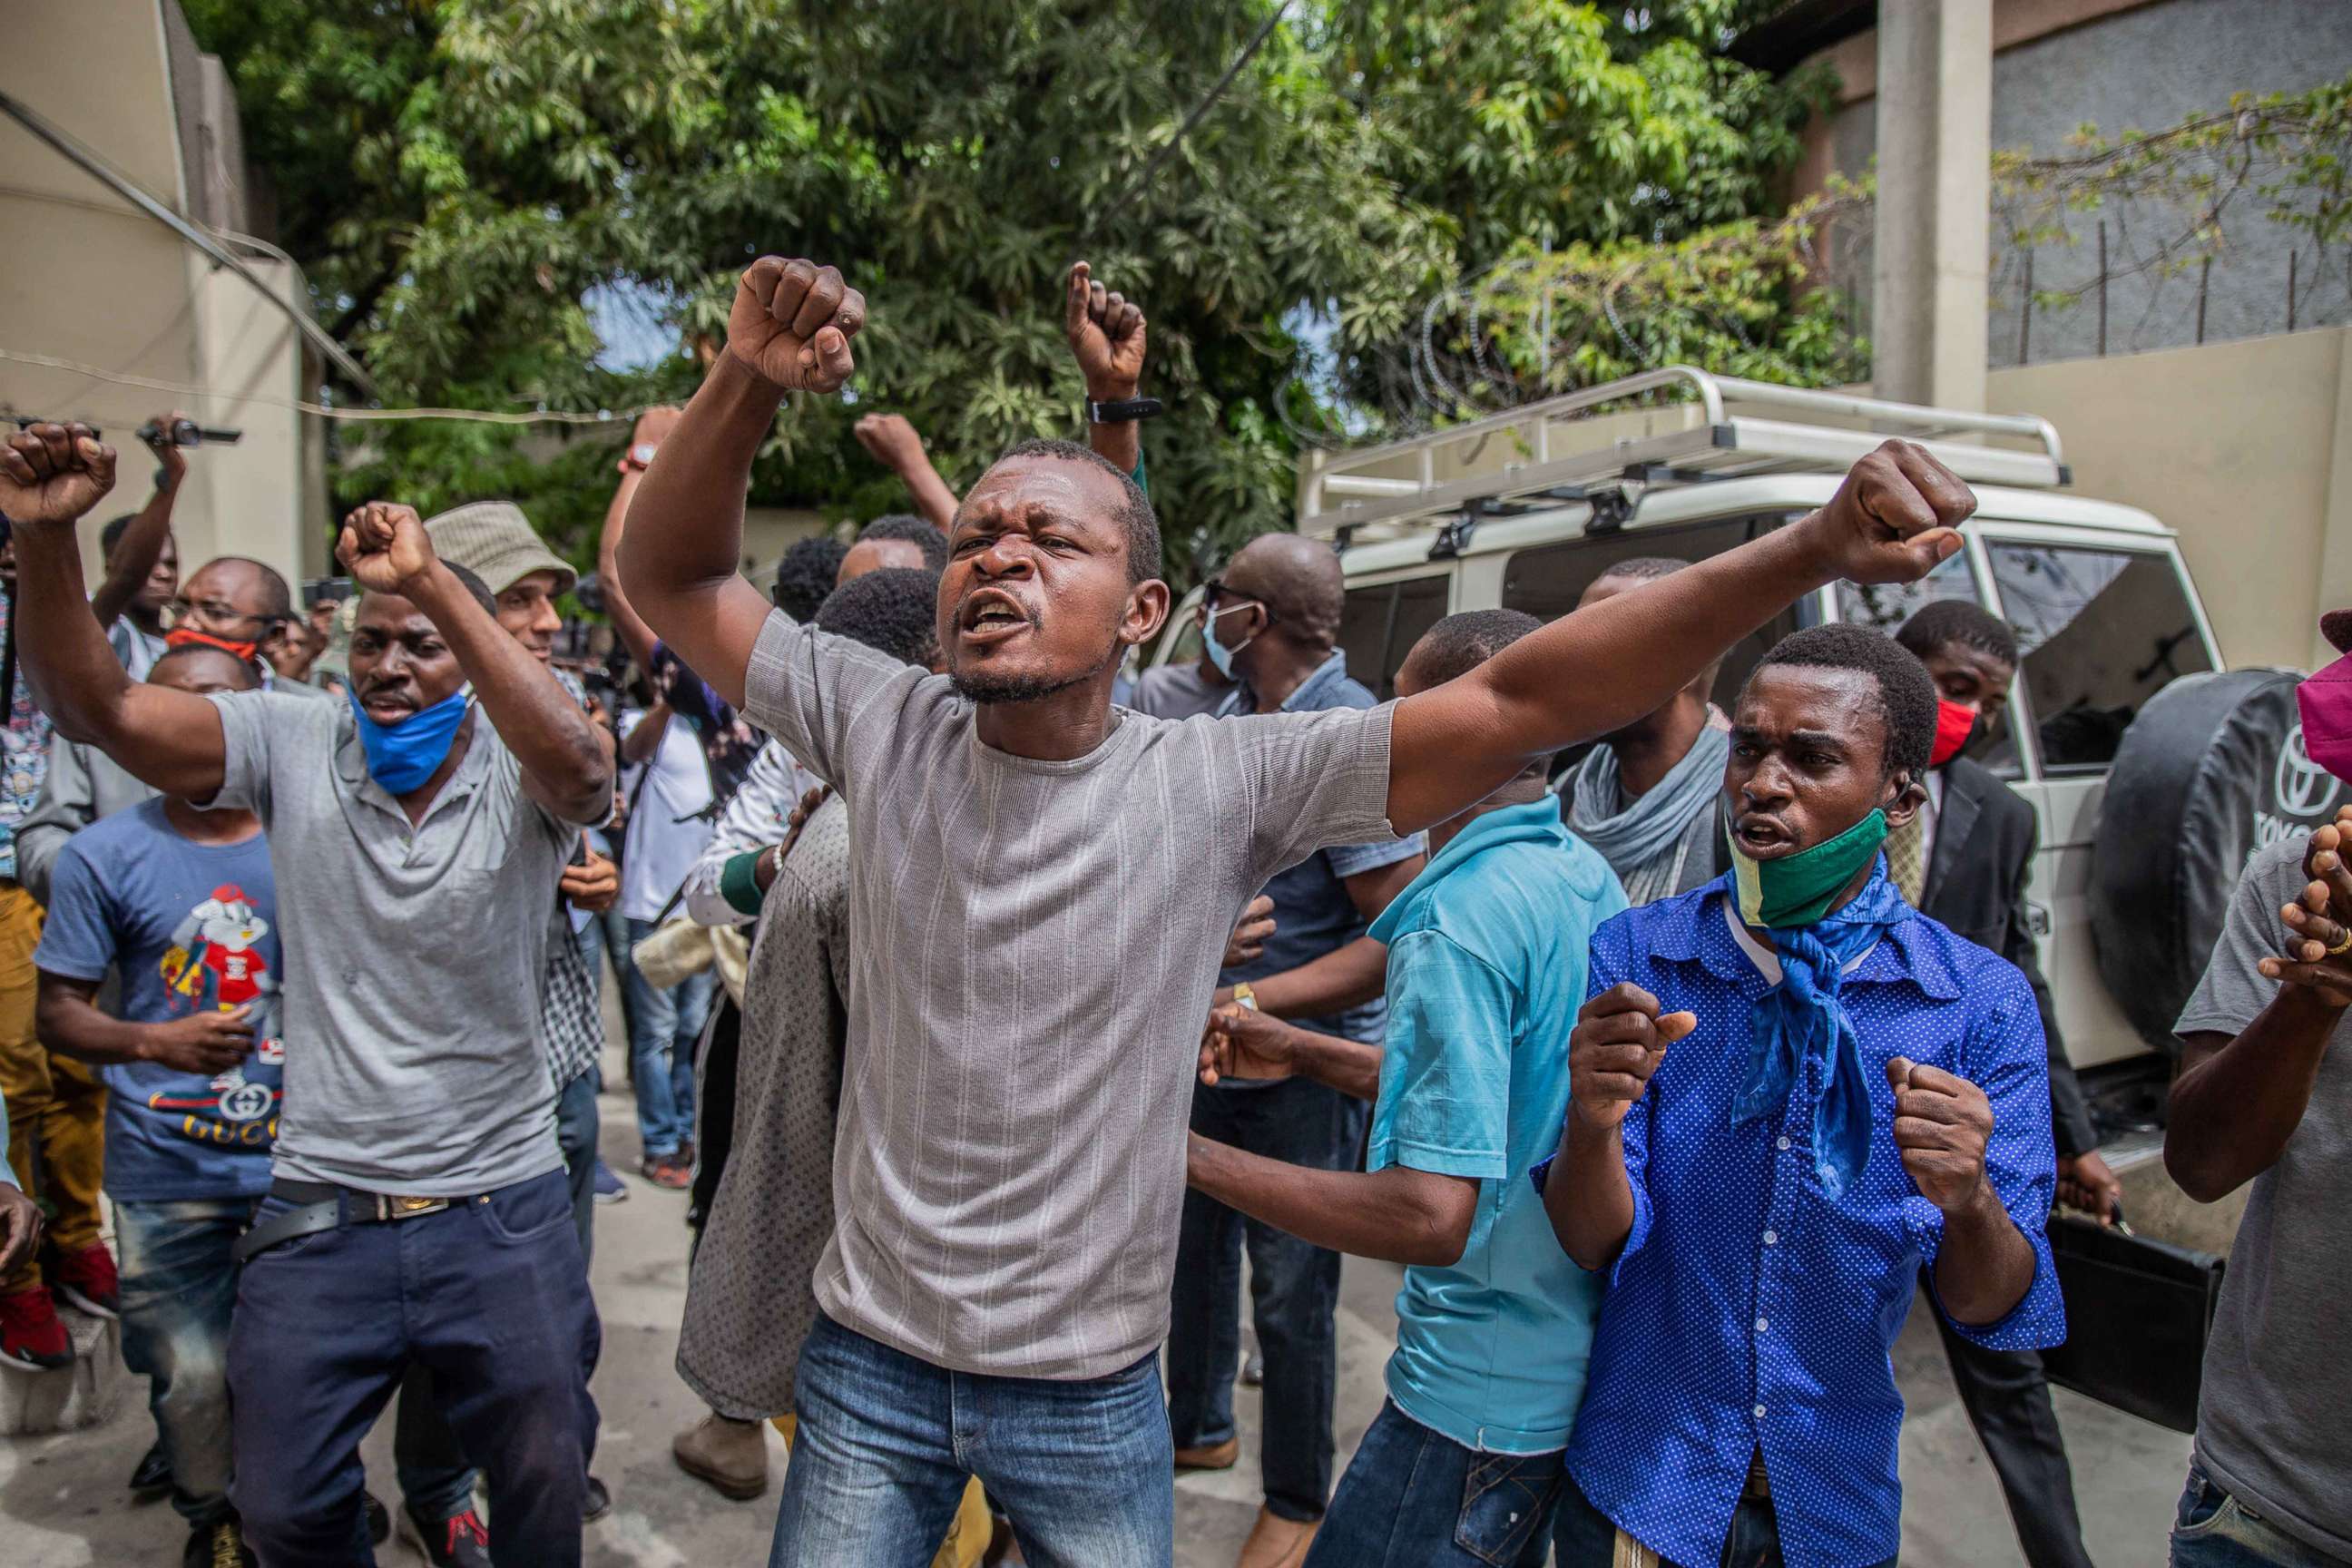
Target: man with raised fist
(1790, 1092)
(417, 1209)
(1040, 916)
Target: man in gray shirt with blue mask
(1037, 912)
(417, 1209)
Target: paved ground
(62, 1502)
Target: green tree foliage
(458, 176)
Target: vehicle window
(2100, 632)
(1884, 606)
(1379, 624)
(1546, 581)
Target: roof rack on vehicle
(1680, 425)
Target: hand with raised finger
(1942, 1123)
(1107, 336)
(1242, 1042)
(1894, 520)
(1247, 943)
(384, 546)
(1618, 1042)
(53, 474)
(792, 324)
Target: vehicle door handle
(2037, 919)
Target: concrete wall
(85, 277)
(2124, 65)
(2245, 448)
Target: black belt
(322, 1205)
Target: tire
(2212, 769)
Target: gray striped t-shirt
(1033, 945)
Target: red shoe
(86, 1277)
(30, 1335)
(663, 1171)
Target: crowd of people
(991, 1006)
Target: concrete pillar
(1934, 192)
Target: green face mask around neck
(1798, 890)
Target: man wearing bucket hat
(2264, 1095)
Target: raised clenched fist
(384, 547)
(1942, 1122)
(53, 474)
(1893, 519)
(792, 324)
(1618, 1042)
(890, 439)
(1106, 334)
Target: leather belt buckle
(389, 1207)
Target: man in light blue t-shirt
(1486, 971)
(181, 904)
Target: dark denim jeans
(1293, 1288)
(179, 1284)
(1586, 1539)
(887, 1441)
(490, 1295)
(664, 1027)
(2215, 1528)
(1412, 1498)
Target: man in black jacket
(1964, 861)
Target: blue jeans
(663, 1029)
(886, 1440)
(607, 933)
(2215, 1528)
(1293, 1285)
(1412, 1498)
(1586, 1539)
(179, 1284)
(490, 1295)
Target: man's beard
(995, 689)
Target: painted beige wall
(2245, 448)
(87, 278)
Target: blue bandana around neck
(1802, 1019)
(401, 756)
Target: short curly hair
(805, 576)
(1906, 696)
(1948, 622)
(914, 531)
(894, 611)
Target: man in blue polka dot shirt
(1788, 1093)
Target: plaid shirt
(571, 1017)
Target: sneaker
(685, 1155)
(31, 1337)
(461, 1541)
(153, 1478)
(86, 1277)
(663, 1171)
(1253, 1370)
(610, 1188)
(595, 1502)
(219, 1544)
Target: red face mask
(1954, 727)
(182, 637)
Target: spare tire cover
(2212, 769)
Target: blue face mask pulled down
(1219, 654)
(401, 756)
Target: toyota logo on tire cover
(2301, 788)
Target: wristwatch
(1125, 411)
(635, 458)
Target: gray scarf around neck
(1632, 838)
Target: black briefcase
(2137, 1314)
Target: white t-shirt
(661, 849)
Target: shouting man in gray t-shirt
(417, 1209)
(1038, 906)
